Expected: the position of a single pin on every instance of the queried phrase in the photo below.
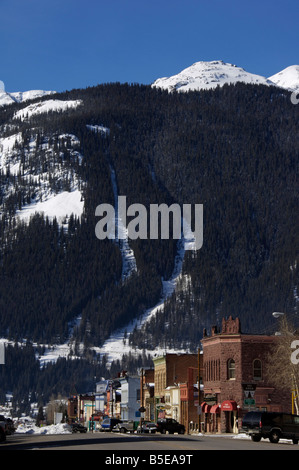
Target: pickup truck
(125, 426)
(170, 425)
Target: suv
(125, 426)
(273, 426)
(108, 424)
(170, 425)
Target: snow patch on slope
(129, 264)
(100, 129)
(54, 184)
(60, 205)
(46, 107)
(7, 145)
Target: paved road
(110, 442)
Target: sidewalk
(224, 434)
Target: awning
(205, 408)
(229, 405)
(215, 409)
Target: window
(257, 369)
(231, 369)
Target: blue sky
(64, 44)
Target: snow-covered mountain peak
(20, 96)
(208, 75)
(288, 78)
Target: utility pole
(2, 353)
(141, 409)
(199, 397)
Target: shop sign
(249, 401)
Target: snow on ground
(101, 129)
(53, 352)
(46, 107)
(60, 205)
(31, 428)
(7, 145)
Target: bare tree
(283, 362)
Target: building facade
(234, 377)
(130, 397)
(147, 394)
(170, 371)
(190, 399)
(172, 402)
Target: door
(231, 424)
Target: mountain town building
(235, 379)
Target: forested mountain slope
(233, 149)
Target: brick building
(190, 398)
(170, 371)
(147, 392)
(81, 408)
(72, 409)
(234, 377)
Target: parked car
(77, 427)
(147, 427)
(10, 427)
(108, 424)
(272, 426)
(2, 428)
(124, 426)
(170, 425)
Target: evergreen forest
(233, 149)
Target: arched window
(257, 369)
(231, 369)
